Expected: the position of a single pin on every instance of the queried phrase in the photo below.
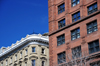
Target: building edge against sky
(29, 51)
(74, 32)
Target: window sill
(33, 53)
(43, 54)
(20, 58)
(92, 33)
(25, 55)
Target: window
(92, 8)
(33, 49)
(61, 23)
(43, 50)
(6, 62)
(76, 52)
(75, 16)
(43, 63)
(26, 52)
(75, 34)
(15, 57)
(25, 63)
(75, 2)
(33, 62)
(61, 40)
(95, 64)
(93, 46)
(92, 27)
(11, 60)
(20, 54)
(61, 57)
(61, 8)
(2, 64)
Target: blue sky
(21, 17)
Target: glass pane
(78, 1)
(90, 8)
(95, 5)
(74, 4)
(74, 0)
(78, 30)
(97, 48)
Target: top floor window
(43, 63)
(15, 57)
(75, 16)
(61, 8)
(6, 62)
(92, 8)
(75, 2)
(61, 23)
(20, 54)
(60, 39)
(33, 49)
(11, 59)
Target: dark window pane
(91, 27)
(61, 57)
(61, 23)
(93, 46)
(92, 8)
(75, 34)
(61, 8)
(75, 2)
(61, 40)
(75, 16)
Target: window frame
(61, 58)
(78, 17)
(76, 33)
(93, 8)
(78, 51)
(33, 49)
(76, 2)
(92, 26)
(60, 39)
(93, 46)
(61, 8)
(61, 23)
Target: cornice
(41, 40)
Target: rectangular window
(93, 46)
(2, 64)
(92, 27)
(15, 57)
(25, 63)
(26, 51)
(76, 52)
(75, 16)
(6, 62)
(75, 2)
(95, 63)
(33, 62)
(75, 34)
(93, 8)
(20, 54)
(61, 23)
(60, 39)
(61, 8)
(11, 60)
(33, 49)
(61, 57)
(43, 51)
(43, 63)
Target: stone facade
(22, 54)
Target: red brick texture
(84, 39)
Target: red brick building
(74, 32)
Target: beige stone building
(33, 50)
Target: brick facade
(84, 39)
